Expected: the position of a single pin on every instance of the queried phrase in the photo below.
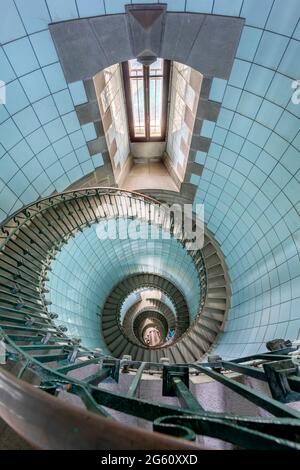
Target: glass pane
(150, 125)
(135, 68)
(156, 91)
(157, 68)
(138, 106)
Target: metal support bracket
(277, 374)
(171, 372)
(215, 359)
(114, 366)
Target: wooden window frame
(165, 93)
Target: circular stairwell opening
(91, 277)
(148, 317)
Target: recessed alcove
(148, 116)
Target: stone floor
(150, 175)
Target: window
(146, 89)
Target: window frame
(146, 90)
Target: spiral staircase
(189, 343)
(47, 372)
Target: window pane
(135, 68)
(156, 89)
(157, 68)
(146, 104)
(138, 106)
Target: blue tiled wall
(87, 268)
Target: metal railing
(282, 431)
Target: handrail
(48, 423)
(248, 432)
(74, 191)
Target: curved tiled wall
(251, 179)
(85, 271)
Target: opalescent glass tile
(34, 14)
(21, 56)
(44, 48)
